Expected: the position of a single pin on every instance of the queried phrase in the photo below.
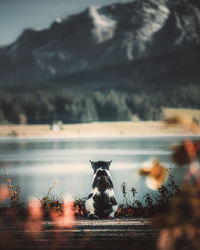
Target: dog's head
(100, 164)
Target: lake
(35, 164)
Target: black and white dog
(101, 202)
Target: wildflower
(9, 180)
(76, 210)
(119, 211)
(82, 212)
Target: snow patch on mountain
(51, 70)
(128, 44)
(153, 20)
(59, 20)
(149, 28)
(104, 27)
(37, 29)
(188, 27)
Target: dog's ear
(93, 165)
(109, 162)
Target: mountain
(124, 46)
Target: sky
(16, 15)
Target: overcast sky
(16, 15)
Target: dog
(101, 202)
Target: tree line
(71, 107)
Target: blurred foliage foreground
(180, 224)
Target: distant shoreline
(93, 130)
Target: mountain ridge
(102, 38)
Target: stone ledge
(85, 234)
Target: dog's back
(102, 196)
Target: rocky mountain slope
(121, 45)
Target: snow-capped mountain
(103, 37)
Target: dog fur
(101, 203)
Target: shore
(95, 129)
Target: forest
(110, 105)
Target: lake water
(35, 164)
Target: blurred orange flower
(4, 193)
(186, 153)
(34, 223)
(67, 218)
(156, 173)
(35, 210)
